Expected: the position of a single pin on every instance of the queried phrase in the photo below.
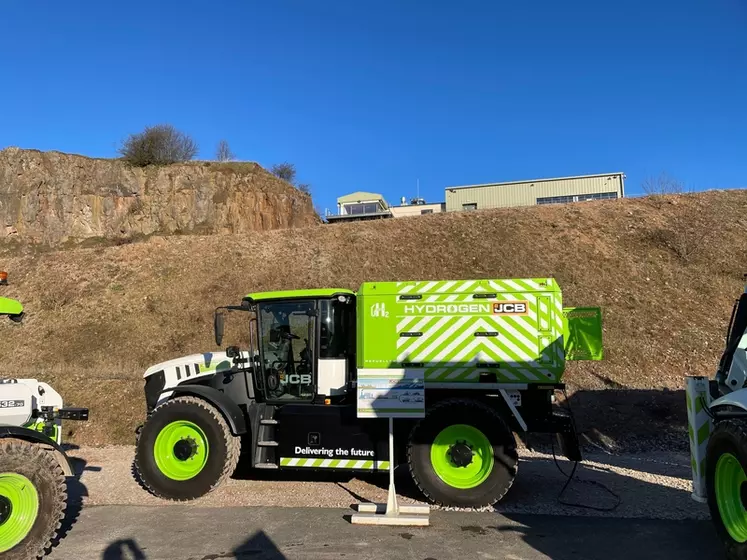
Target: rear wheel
(463, 454)
(185, 449)
(33, 496)
(726, 484)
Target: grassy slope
(665, 271)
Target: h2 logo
(379, 310)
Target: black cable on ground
(570, 477)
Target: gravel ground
(654, 485)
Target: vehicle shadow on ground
(570, 538)
(598, 487)
(76, 491)
(620, 420)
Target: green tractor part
(463, 366)
(717, 430)
(33, 465)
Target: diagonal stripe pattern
(448, 349)
(334, 463)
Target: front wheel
(463, 454)
(33, 497)
(726, 485)
(185, 449)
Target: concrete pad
(175, 532)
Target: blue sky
(374, 95)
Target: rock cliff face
(51, 198)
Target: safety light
(327, 401)
(3, 277)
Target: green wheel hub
(181, 450)
(19, 506)
(462, 456)
(731, 496)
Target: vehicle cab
(301, 344)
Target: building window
(426, 212)
(363, 208)
(470, 206)
(576, 198)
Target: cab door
(287, 337)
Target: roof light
(3, 277)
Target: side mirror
(219, 325)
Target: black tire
(492, 425)
(40, 466)
(223, 454)
(729, 436)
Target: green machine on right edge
(717, 428)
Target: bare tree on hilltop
(223, 152)
(663, 184)
(161, 144)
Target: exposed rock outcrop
(52, 197)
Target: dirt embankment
(665, 271)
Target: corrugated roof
(570, 178)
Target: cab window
(336, 330)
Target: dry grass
(665, 274)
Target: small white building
(417, 207)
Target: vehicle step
(268, 422)
(267, 443)
(266, 466)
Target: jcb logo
(510, 308)
(299, 379)
(379, 310)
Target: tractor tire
(726, 485)
(462, 454)
(33, 499)
(185, 450)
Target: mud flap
(582, 333)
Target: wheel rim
(19, 506)
(181, 450)
(462, 456)
(731, 491)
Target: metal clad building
(539, 191)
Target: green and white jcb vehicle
(482, 360)
(717, 427)
(33, 465)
